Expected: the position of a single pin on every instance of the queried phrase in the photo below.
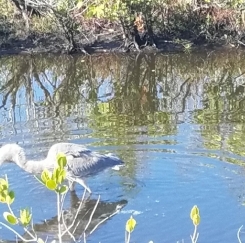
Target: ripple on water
(179, 129)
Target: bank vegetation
(123, 25)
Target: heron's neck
(31, 166)
(35, 166)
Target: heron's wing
(70, 149)
(90, 163)
(82, 161)
(85, 163)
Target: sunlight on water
(176, 120)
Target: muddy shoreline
(54, 44)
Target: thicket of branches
(139, 22)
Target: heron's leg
(82, 183)
(71, 185)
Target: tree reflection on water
(122, 97)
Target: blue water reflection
(178, 126)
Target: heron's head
(9, 152)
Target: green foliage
(10, 197)
(111, 9)
(4, 185)
(45, 176)
(63, 189)
(236, 3)
(130, 225)
(10, 218)
(195, 216)
(53, 181)
(25, 217)
(61, 160)
(6, 195)
(74, 18)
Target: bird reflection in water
(103, 212)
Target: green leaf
(3, 184)
(10, 218)
(25, 216)
(59, 175)
(55, 174)
(4, 192)
(46, 175)
(2, 199)
(61, 160)
(99, 10)
(195, 216)
(194, 211)
(51, 184)
(3, 196)
(196, 219)
(10, 197)
(63, 189)
(130, 225)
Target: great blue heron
(81, 162)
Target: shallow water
(176, 120)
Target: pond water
(177, 120)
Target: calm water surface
(178, 122)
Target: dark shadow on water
(104, 211)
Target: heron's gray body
(81, 162)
